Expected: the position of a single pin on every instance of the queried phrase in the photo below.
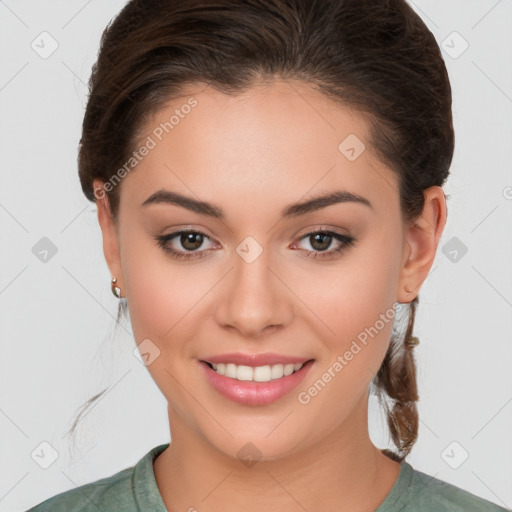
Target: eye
(190, 240)
(321, 240)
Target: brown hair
(375, 56)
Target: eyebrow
(293, 210)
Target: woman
(268, 176)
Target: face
(318, 283)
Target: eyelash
(345, 240)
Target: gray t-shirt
(134, 489)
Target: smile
(258, 385)
(257, 374)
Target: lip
(263, 359)
(255, 393)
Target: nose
(254, 298)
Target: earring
(115, 289)
(413, 340)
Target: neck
(343, 471)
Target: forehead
(277, 141)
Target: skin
(252, 155)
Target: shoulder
(127, 490)
(425, 492)
(109, 493)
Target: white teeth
(244, 372)
(262, 374)
(277, 371)
(256, 374)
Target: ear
(421, 240)
(109, 232)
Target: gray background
(58, 344)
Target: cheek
(351, 296)
(159, 291)
(163, 297)
(353, 308)
(356, 310)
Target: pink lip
(255, 393)
(267, 358)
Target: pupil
(324, 237)
(189, 237)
